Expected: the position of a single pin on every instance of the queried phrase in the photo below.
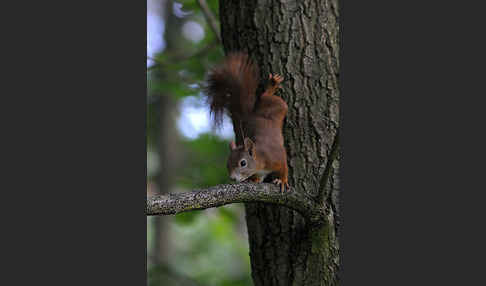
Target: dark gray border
(75, 204)
(77, 175)
(412, 121)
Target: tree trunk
(299, 40)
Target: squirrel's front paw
(276, 79)
(284, 186)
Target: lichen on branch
(216, 196)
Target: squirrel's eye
(243, 163)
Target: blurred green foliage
(210, 250)
(207, 247)
(192, 5)
(205, 162)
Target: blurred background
(184, 151)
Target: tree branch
(327, 170)
(224, 194)
(210, 18)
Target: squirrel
(257, 120)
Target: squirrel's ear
(249, 146)
(232, 145)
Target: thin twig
(327, 170)
(210, 18)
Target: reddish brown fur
(238, 78)
(262, 119)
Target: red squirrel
(231, 87)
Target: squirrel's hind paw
(276, 79)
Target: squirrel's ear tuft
(232, 145)
(249, 146)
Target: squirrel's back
(232, 86)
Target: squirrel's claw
(283, 186)
(277, 79)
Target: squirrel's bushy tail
(232, 86)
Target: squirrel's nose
(234, 177)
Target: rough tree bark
(299, 40)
